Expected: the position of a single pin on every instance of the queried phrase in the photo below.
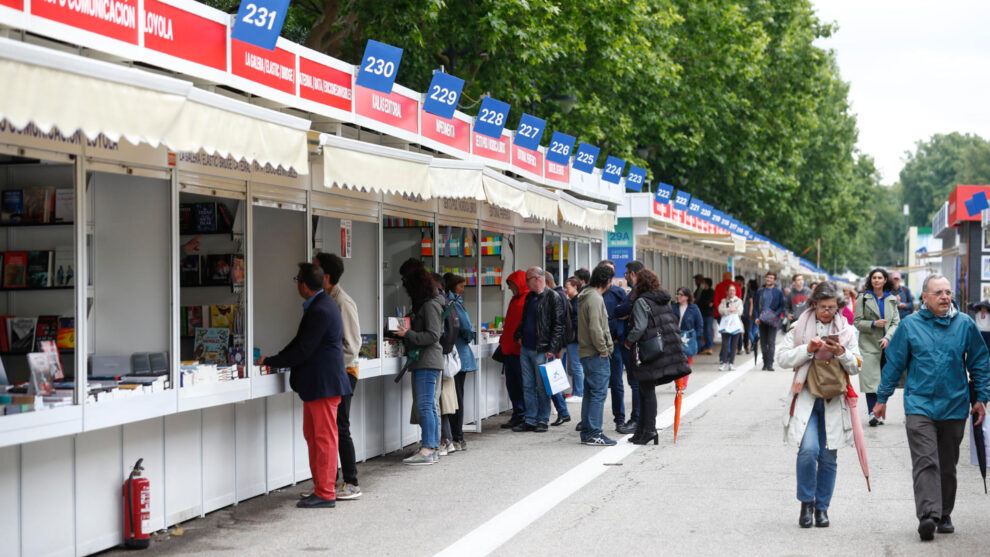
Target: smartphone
(833, 338)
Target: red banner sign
(185, 35)
(274, 68)
(117, 19)
(491, 148)
(325, 85)
(525, 159)
(16, 4)
(661, 210)
(451, 132)
(557, 172)
(392, 109)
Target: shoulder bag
(827, 379)
(651, 348)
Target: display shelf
(22, 353)
(41, 424)
(369, 368)
(34, 224)
(214, 394)
(228, 233)
(135, 408)
(391, 366)
(35, 288)
(268, 385)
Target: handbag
(650, 349)
(826, 379)
(730, 324)
(554, 377)
(498, 355)
(690, 343)
(451, 363)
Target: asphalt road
(727, 486)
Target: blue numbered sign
(636, 178)
(379, 65)
(443, 94)
(491, 117)
(585, 158)
(681, 200)
(706, 212)
(664, 192)
(614, 166)
(560, 148)
(694, 207)
(259, 22)
(530, 132)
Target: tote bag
(554, 377)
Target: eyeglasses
(940, 293)
(827, 310)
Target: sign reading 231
(259, 22)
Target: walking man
(316, 357)
(769, 307)
(936, 347)
(594, 347)
(797, 298)
(541, 334)
(905, 302)
(706, 303)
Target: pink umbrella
(852, 399)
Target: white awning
(370, 167)
(504, 192)
(600, 219)
(571, 210)
(457, 179)
(54, 89)
(541, 204)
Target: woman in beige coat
(876, 317)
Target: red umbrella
(852, 399)
(681, 384)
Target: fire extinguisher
(137, 509)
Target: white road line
(504, 526)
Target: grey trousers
(934, 454)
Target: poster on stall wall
(345, 239)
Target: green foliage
(937, 166)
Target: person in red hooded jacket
(512, 368)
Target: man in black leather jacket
(541, 336)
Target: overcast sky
(915, 68)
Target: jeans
(648, 403)
(871, 401)
(633, 385)
(596, 380)
(746, 337)
(425, 388)
(934, 454)
(345, 445)
(615, 385)
(708, 334)
(514, 385)
(728, 354)
(768, 344)
(535, 394)
(575, 369)
(816, 464)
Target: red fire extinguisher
(137, 509)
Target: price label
(379, 65)
(560, 148)
(259, 22)
(664, 192)
(636, 178)
(614, 167)
(681, 200)
(530, 132)
(585, 158)
(491, 117)
(443, 94)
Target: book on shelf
(211, 345)
(12, 206)
(222, 316)
(39, 269)
(45, 331)
(4, 339)
(187, 221)
(369, 346)
(65, 205)
(193, 320)
(190, 270)
(42, 374)
(225, 218)
(20, 333)
(49, 347)
(15, 269)
(62, 267)
(66, 332)
(216, 270)
(39, 204)
(205, 217)
(237, 270)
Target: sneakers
(348, 492)
(880, 421)
(446, 447)
(873, 420)
(420, 459)
(732, 367)
(460, 445)
(599, 441)
(723, 366)
(575, 398)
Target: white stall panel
(369, 440)
(10, 517)
(396, 413)
(144, 440)
(250, 418)
(47, 508)
(100, 473)
(280, 429)
(218, 457)
(299, 446)
(183, 456)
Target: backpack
(570, 335)
(451, 327)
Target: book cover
(222, 317)
(12, 210)
(189, 271)
(45, 331)
(42, 376)
(15, 269)
(39, 265)
(225, 218)
(369, 346)
(35, 209)
(205, 217)
(217, 269)
(187, 220)
(20, 331)
(237, 270)
(62, 266)
(211, 345)
(4, 337)
(66, 332)
(65, 205)
(194, 320)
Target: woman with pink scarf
(815, 425)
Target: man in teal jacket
(937, 346)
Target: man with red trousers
(316, 356)
(511, 349)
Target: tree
(937, 166)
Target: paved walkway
(727, 486)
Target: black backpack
(451, 327)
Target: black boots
(821, 519)
(644, 438)
(945, 526)
(807, 512)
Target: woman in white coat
(818, 427)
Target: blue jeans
(596, 379)
(425, 390)
(633, 385)
(576, 370)
(513, 384)
(728, 353)
(537, 400)
(816, 464)
(615, 385)
(560, 405)
(709, 323)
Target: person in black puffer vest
(652, 314)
